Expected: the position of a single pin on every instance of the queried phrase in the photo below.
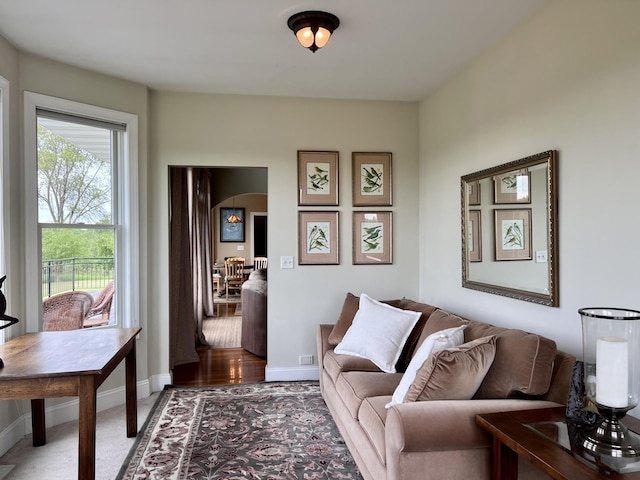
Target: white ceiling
(383, 49)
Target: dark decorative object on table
(577, 401)
(3, 309)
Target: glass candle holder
(611, 337)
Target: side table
(544, 438)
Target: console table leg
(505, 462)
(131, 394)
(38, 423)
(87, 428)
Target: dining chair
(234, 275)
(259, 262)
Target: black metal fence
(68, 274)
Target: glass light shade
(610, 341)
(322, 37)
(234, 219)
(305, 37)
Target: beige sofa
(435, 439)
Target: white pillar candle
(612, 371)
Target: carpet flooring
(273, 430)
(58, 459)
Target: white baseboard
(12, 435)
(291, 374)
(158, 382)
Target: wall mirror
(510, 231)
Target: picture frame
(372, 238)
(317, 178)
(512, 187)
(318, 238)
(512, 234)
(474, 231)
(372, 179)
(231, 232)
(473, 193)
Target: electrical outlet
(240, 247)
(541, 256)
(305, 360)
(286, 262)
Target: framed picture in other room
(232, 225)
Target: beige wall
(566, 80)
(218, 130)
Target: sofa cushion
(440, 320)
(372, 417)
(378, 332)
(412, 342)
(349, 309)
(354, 387)
(523, 362)
(453, 373)
(335, 364)
(450, 337)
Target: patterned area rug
(267, 431)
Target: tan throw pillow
(412, 342)
(454, 373)
(440, 320)
(349, 309)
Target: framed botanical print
(513, 234)
(318, 238)
(372, 238)
(512, 187)
(474, 231)
(372, 180)
(231, 231)
(473, 193)
(317, 178)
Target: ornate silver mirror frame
(510, 231)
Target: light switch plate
(286, 261)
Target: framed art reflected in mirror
(515, 252)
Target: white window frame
(5, 198)
(127, 233)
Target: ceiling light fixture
(234, 218)
(313, 29)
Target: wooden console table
(68, 364)
(540, 436)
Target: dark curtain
(181, 324)
(200, 231)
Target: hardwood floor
(220, 366)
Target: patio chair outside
(66, 311)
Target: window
(82, 218)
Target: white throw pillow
(451, 337)
(378, 333)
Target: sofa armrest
(427, 426)
(322, 341)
